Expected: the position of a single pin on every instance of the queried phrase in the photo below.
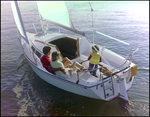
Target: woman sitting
(45, 60)
(65, 64)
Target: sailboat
(115, 73)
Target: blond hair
(55, 55)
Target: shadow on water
(36, 98)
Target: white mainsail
(56, 13)
(18, 20)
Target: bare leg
(72, 66)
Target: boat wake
(143, 69)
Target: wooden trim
(70, 36)
(30, 59)
(50, 45)
(25, 53)
(45, 43)
(77, 44)
(33, 32)
(40, 42)
(37, 48)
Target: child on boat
(66, 63)
(94, 58)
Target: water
(24, 93)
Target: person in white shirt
(65, 63)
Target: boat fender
(134, 70)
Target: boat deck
(84, 76)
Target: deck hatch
(67, 46)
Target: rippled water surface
(24, 93)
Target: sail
(56, 12)
(18, 19)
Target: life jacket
(95, 58)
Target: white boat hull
(95, 92)
(62, 84)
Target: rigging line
(92, 13)
(113, 38)
(92, 21)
